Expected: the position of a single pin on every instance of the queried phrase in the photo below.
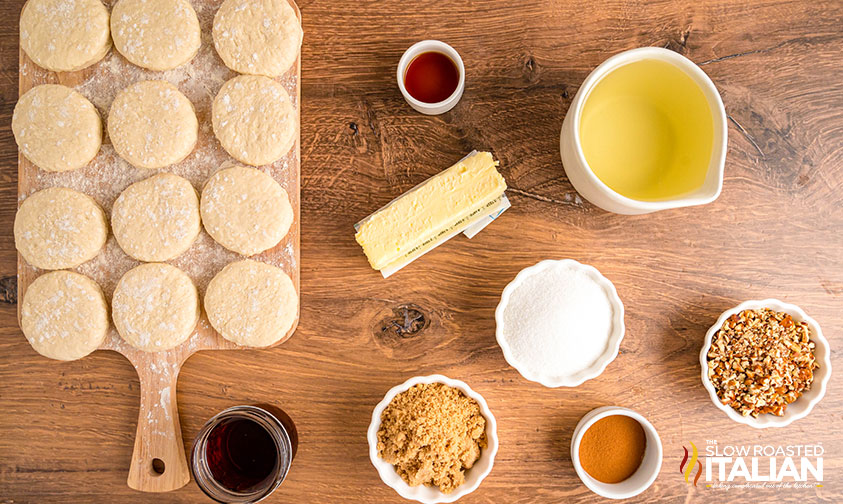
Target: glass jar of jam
(243, 454)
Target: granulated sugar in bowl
(559, 323)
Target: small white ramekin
(647, 471)
(431, 46)
(600, 364)
(805, 403)
(592, 188)
(422, 493)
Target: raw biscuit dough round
(257, 37)
(155, 307)
(64, 315)
(254, 119)
(251, 303)
(155, 34)
(152, 124)
(156, 219)
(245, 210)
(56, 128)
(64, 35)
(59, 228)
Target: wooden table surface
(66, 429)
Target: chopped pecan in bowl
(765, 363)
(760, 361)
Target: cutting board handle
(158, 461)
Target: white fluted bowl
(806, 402)
(423, 493)
(578, 377)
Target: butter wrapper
(469, 225)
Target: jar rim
(202, 471)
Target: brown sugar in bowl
(425, 494)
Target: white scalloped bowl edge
(423, 493)
(804, 404)
(599, 365)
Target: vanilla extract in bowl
(431, 77)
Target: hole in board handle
(157, 467)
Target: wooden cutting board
(158, 462)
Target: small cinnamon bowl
(647, 471)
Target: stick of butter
(433, 211)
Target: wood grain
(66, 430)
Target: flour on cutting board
(108, 175)
(164, 403)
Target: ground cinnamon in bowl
(611, 450)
